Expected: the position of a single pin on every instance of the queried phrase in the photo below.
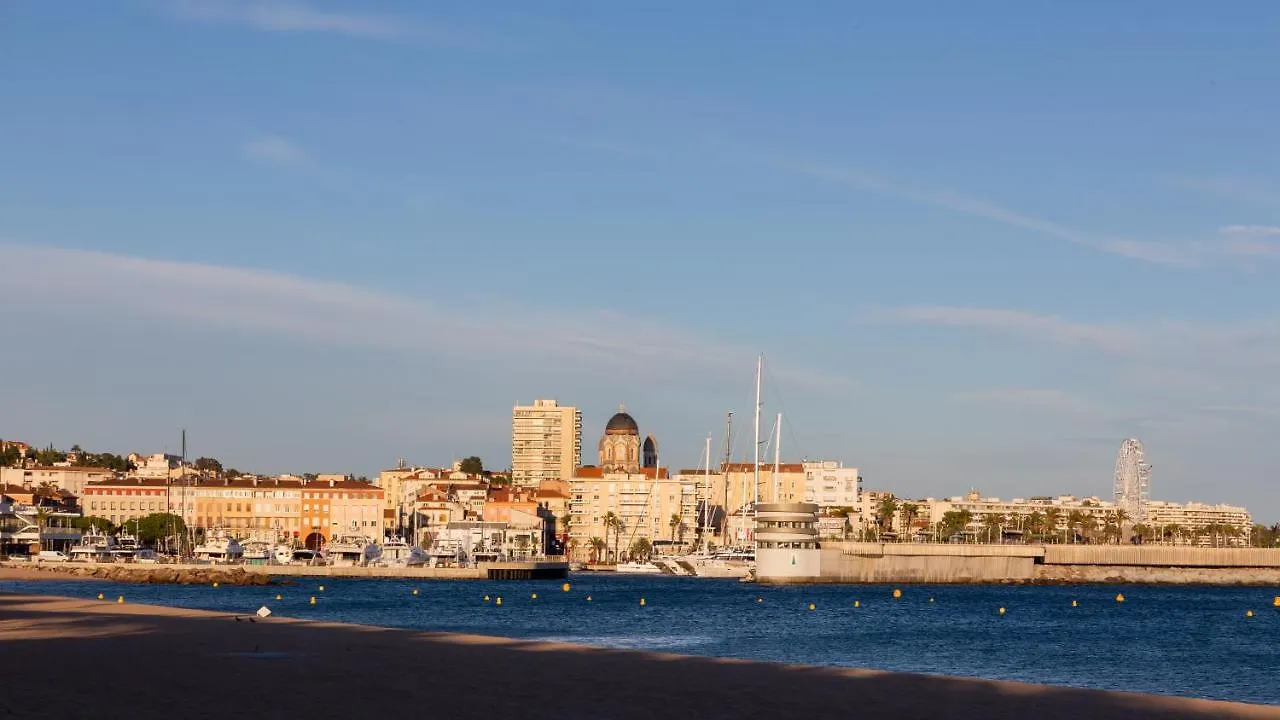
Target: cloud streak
(1116, 339)
(88, 283)
(1034, 399)
(298, 17)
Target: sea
(1190, 641)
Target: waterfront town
(623, 507)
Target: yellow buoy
(215, 583)
(1248, 613)
(641, 602)
(1276, 602)
(588, 598)
(486, 598)
(1001, 611)
(1119, 597)
(321, 588)
(533, 596)
(1075, 603)
(812, 606)
(897, 593)
(120, 599)
(415, 591)
(565, 587)
(498, 600)
(279, 597)
(100, 596)
(857, 603)
(313, 599)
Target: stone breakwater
(153, 574)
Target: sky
(978, 244)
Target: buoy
(1075, 603)
(415, 591)
(120, 600)
(1276, 602)
(588, 598)
(321, 588)
(930, 599)
(857, 603)
(498, 600)
(812, 606)
(759, 599)
(100, 596)
(279, 597)
(897, 593)
(313, 599)
(565, 587)
(486, 598)
(533, 596)
(641, 602)
(1248, 613)
(1001, 611)
(1119, 597)
(215, 583)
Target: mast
(777, 460)
(756, 492)
(728, 456)
(706, 489)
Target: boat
(349, 551)
(219, 550)
(397, 552)
(638, 568)
(257, 552)
(94, 546)
(126, 547)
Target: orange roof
(551, 494)
(589, 472)
(764, 467)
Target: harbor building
(70, 478)
(546, 442)
(32, 519)
(787, 548)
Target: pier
(191, 574)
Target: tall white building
(546, 442)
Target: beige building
(546, 442)
(644, 502)
(72, 479)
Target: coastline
(278, 667)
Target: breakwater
(856, 562)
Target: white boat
(219, 550)
(94, 546)
(350, 551)
(257, 552)
(637, 568)
(126, 547)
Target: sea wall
(849, 562)
(153, 574)
(263, 574)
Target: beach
(107, 659)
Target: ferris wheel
(1133, 479)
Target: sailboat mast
(777, 460)
(728, 456)
(706, 489)
(756, 493)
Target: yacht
(638, 568)
(126, 547)
(94, 546)
(256, 552)
(219, 550)
(350, 550)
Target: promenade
(96, 659)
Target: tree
(910, 511)
(208, 464)
(471, 465)
(884, 514)
(614, 523)
(598, 547)
(9, 455)
(641, 549)
(1052, 519)
(91, 522)
(157, 526)
(954, 522)
(232, 473)
(674, 523)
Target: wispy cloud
(298, 17)
(1251, 230)
(1035, 399)
(1161, 253)
(83, 283)
(274, 150)
(1245, 189)
(1051, 328)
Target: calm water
(1182, 641)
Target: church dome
(622, 424)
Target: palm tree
(910, 511)
(674, 524)
(1052, 518)
(1035, 524)
(991, 524)
(641, 549)
(42, 517)
(1122, 517)
(614, 523)
(884, 516)
(1088, 524)
(598, 547)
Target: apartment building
(546, 442)
(72, 478)
(644, 501)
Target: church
(621, 449)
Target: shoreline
(260, 665)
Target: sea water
(1193, 641)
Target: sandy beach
(123, 660)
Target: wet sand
(96, 659)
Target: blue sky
(979, 244)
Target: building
(828, 484)
(32, 519)
(72, 478)
(159, 465)
(546, 442)
(1198, 523)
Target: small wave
(631, 642)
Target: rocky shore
(150, 574)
